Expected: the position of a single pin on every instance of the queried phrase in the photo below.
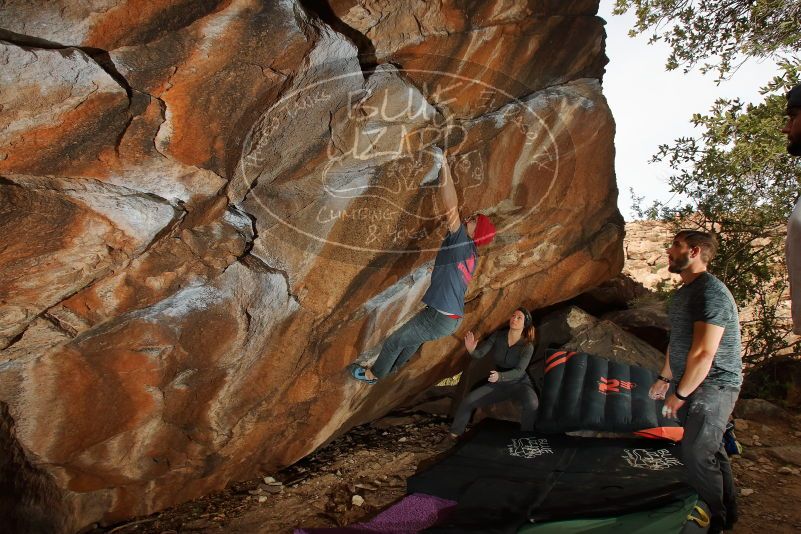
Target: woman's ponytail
(529, 332)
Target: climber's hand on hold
(438, 156)
(447, 190)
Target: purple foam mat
(410, 515)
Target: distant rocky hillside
(646, 263)
(646, 259)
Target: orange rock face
(209, 209)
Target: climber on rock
(453, 269)
(511, 349)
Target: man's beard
(679, 264)
(794, 148)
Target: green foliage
(723, 30)
(660, 296)
(665, 290)
(736, 179)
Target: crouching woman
(511, 350)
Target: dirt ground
(770, 488)
(364, 471)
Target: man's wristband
(680, 396)
(663, 379)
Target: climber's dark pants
(427, 325)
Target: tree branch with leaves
(718, 34)
(736, 179)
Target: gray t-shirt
(708, 300)
(453, 270)
(793, 255)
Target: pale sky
(652, 106)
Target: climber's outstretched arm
(447, 191)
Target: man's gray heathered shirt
(793, 255)
(708, 300)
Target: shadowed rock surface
(573, 329)
(209, 209)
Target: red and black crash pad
(503, 478)
(586, 392)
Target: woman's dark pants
(521, 391)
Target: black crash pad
(586, 392)
(503, 478)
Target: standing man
(453, 269)
(704, 364)
(793, 244)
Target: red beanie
(485, 231)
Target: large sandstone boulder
(647, 321)
(211, 208)
(619, 293)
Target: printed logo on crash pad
(613, 385)
(529, 447)
(650, 459)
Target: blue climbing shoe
(358, 372)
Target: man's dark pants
(427, 325)
(704, 418)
